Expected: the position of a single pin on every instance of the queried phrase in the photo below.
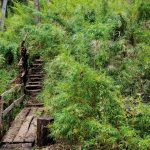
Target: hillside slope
(97, 57)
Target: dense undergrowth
(97, 57)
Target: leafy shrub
(87, 107)
(90, 16)
(97, 55)
(144, 11)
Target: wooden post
(22, 90)
(10, 115)
(43, 133)
(23, 63)
(1, 117)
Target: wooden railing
(19, 89)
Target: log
(43, 138)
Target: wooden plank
(21, 146)
(15, 103)
(23, 130)
(35, 105)
(31, 134)
(11, 134)
(25, 127)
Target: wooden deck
(22, 134)
(23, 129)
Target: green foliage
(97, 64)
(78, 95)
(8, 56)
(45, 37)
(144, 11)
(6, 75)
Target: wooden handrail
(18, 86)
(3, 113)
(15, 103)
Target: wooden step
(35, 76)
(38, 60)
(38, 72)
(34, 83)
(33, 91)
(35, 70)
(35, 79)
(33, 87)
(35, 105)
(36, 65)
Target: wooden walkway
(22, 134)
(23, 130)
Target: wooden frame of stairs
(23, 130)
(6, 112)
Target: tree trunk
(4, 9)
(37, 8)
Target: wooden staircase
(23, 131)
(35, 78)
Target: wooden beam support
(43, 132)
